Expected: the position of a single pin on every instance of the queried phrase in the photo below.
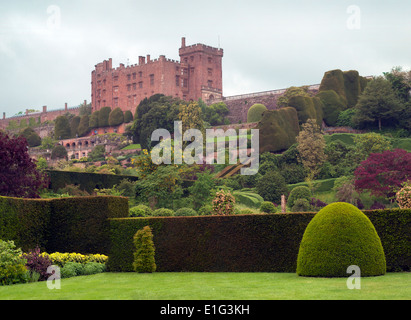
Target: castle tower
(204, 71)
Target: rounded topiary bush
(185, 212)
(300, 192)
(339, 236)
(268, 207)
(163, 212)
(255, 113)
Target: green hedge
(64, 225)
(278, 129)
(86, 181)
(243, 243)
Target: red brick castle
(198, 74)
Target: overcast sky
(49, 48)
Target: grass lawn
(213, 286)
(132, 147)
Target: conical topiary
(144, 261)
(339, 236)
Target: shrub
(205, 210)
(300, 192)
(128, 116)
(144, 261)
(317, 203)
(377, 206)
(246, 211)
(301, 205)
(137, 212)
(321, 253)
(37, 263)
(93, 268)
(61, 259)
(163, 212)
(12, 264)
(271, 186)
(255, 113)
(403, 196)
(268, 207)
(71, 269)
(116, 117)
(223, 203)
(247, 198)
(185, 212)
(278, 129)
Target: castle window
(140, 84)
(128, 87)
(140, 74)
(134, 86)
(135, 99)
(210, 60)
(177, 81)
(115, 100)
(115, 89)
(185, 83)
(134, 76)
(210, 71)
(210, 83)
(129, 77)
(115, 78)
(192, 58)
(151, 79)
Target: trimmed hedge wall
(78, 224)
(243, 243)
(86, 181)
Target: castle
(198, 74)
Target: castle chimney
(44, 108)
(27, 112)
(65, 106)
(85, 102)
(141, 60)
(4, 115)
(183, 42)
(148, 58)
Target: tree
(47, 143)
(367, 143)
(271, 186)
(103, 116)
(116, 117)
(292, 92)
(156, 112)
(128, 116)
(191, 116)
(83, 127)
(97, 153)
(74, 123)
(311, 145)
(400, 82)
(200, 191)
(215, 114)
(33, 139)
(144, 260)
(19, 176)
(59, 152)
(383, 173)
(62, 128)
(378, 104)
(94, 119)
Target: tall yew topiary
(255, 113)
(144, 261)
(340, 236)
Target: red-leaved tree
(19, 176)
(383, 173)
